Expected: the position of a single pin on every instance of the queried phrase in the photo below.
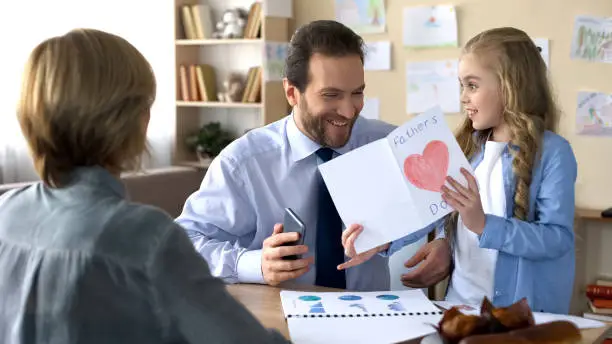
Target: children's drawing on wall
(592, 39)
(430, 26)
(594, 114)
(274, 60)
(378, 55)
(432, 83)
(363, 16)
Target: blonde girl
(511, 234)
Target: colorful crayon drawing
(431, 83)
(592, 39)
(594, 114)
(274, 60)
(430, 26)
(363, 16)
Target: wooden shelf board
(194, 163)
(591, 215)
(230, 41)
(182, 103)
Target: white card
(393, 188)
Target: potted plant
(209, 141)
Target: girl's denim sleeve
(550, 235)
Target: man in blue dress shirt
(234, 219)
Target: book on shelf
(599, 295)
(603, 282)
(202, 20)
(187, 21)
(198, 83)
(197, 21)
(596, 291)
(193, 85)
(207, 84)
(600, 306)
(252, 89)
(184, 83)
(252, 29)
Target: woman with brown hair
(78, 262)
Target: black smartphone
(293, 223)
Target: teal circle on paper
(387, 297)
(309, 298)
(349, 297)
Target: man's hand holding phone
(275, 269)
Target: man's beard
(315, 127)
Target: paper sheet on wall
(274, 60)
(592, 39)
(398, 179)
(371, 108)
(430, 26)
(542, 44)
(432, 83)
(594, 114)
(363, 16)
(378, 56)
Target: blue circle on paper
(309, 298)
(349, 297)
(387, 297)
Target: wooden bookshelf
(216, 104)
(183, 42)
(226, 57)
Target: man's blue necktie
(329, 251)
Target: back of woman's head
(85, 101)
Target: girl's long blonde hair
(528, 107)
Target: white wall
(148, 25)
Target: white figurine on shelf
(232, 24)
(233, 89)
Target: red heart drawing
(428, 171)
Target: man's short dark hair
(326, 37)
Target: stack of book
(197, 83)
(599, 300)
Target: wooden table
(264, 302)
